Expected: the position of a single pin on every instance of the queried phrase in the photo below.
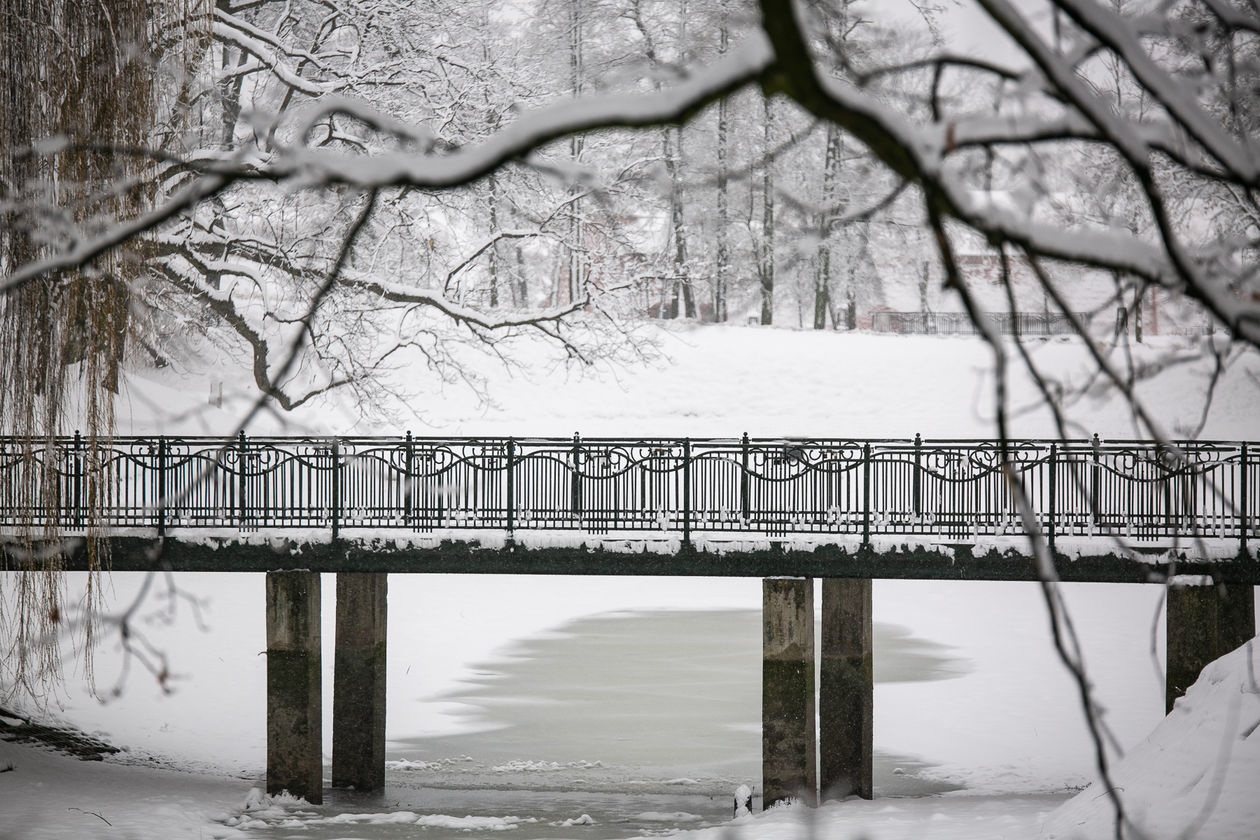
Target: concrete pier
(1202, 624)
(846, 694)
(294, 714)
(358, 744)
(788, 754)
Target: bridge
(785, 510)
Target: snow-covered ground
(975, 698)
(721, 381)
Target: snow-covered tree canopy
(323, 166)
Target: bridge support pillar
(358, 744)
(1202, 624)
(788, 755)
(294, 714)
(846, 691)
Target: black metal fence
(960, 323)
(953, 490)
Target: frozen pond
(641, 722)
(525, 704)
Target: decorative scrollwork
(788, 460)
(974, 461)
(1154, 462)
(603, 460)
(606, 462)
(756, 485)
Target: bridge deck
(878, 508)
(227, 553)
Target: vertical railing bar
(409, 484)
(918, 466)
(62, 458)
(1095, 502)
(511, 486)
(744, 501)
(161, 486)
(1242, 498)
(240, 479)
(687, 491)
(1170, 508)
(1053, 500)
(575, 490)
(78, 479)
(262, 499)
(866, 493)
(335, 489)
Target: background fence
(960, 323)
(951, 489)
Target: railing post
(1094, 502)
(335, 513)
(78, 478)
(409, 487)
(161, 487)
(1167, 463)
(511, 486)
(918, 457)
(1242, 499)
(240, 478)
(745, 508)
(866, 494)
(1054, 463)
(575, 489)
(687, 491)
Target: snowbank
(948, 817)
(50, 796)
(1197, 772)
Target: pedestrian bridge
(785, 510)
(1110, 510)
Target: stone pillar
(788, 755)
(358, 746)
(294, 714)
(1204, 623)
(846, 692)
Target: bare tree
(61, 178)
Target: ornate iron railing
(948, 489)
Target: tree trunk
(765, 269)
(672, 147)
(723, 257)
(832, 162)
(492, 258)
(1137, 314)
(576, 268)
(492, 184)
(520, 289)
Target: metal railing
(960, 323)
(952, 490)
